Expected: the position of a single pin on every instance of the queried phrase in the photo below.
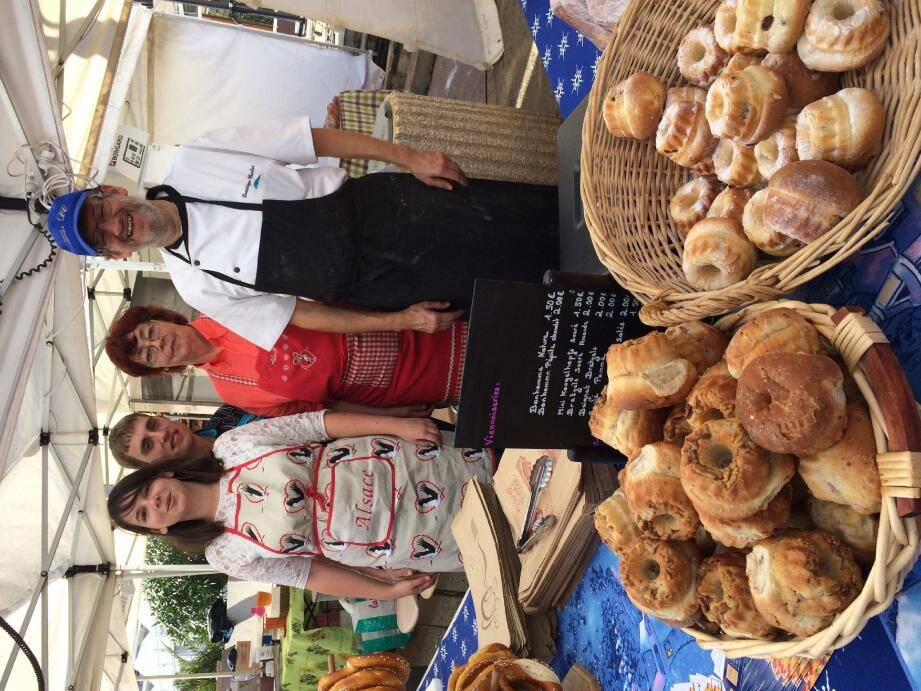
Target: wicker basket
(897, 428)
(627, 184)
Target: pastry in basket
(739, 62)
(655, 497)
(726, 475)
(725, 598)
(380, 671)
(713, 396)
(690, 203)
(801, 580)
(735, 164)
(803, 85)
(858, 530)
(747, 105)
(808, 198)
(765, 239)
(717, 254)
(464, 677)
(700, 58)
(614, 524)
(634, 106)
(841, 35)
(846, 472)
(700, 343)
(685, 93)
(792, 402)
(750, 26)
(684, 134)
(777, 330)
(777, 150)
(744, 532)
(625, 430)
(845, 128)
(676, 426)
(660, 578)
(647, 372)
(730, 203)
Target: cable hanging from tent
(27, 651)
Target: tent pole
(46, 563)
(199, 675)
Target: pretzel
(397, 664)
(328, 680)
(367, 679)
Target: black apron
(386, 241)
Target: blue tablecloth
(599, 628)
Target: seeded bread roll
(845, 128)
(726, 600)
(700, 58)
(657, 502)
(846, 472)
(801, 580)
(646, 373)
(778, 330)
(777, 150)
(744, 532)
(625, 430)
(857, 530)
(841, 35)
(717, 254)
(753, 26)
(747, 105)
(684, 135)
(735, 164)
(808, 198)
(730, 203)
(726, 475)
(792, 402)
(700, 343)
(614, 524)
(765, 239)
(634, 106)
(691, 202)
(660, 578)
(803, 85)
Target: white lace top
(237, 556)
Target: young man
(244, 234)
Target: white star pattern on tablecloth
(595, 66)
(563, 45)
(547, 57)
(475, 628)
(454, 635)
(443, 652)
(559, 90)
(549, 17)
(535, 26)
(577, 80)
(463, 648)
(465, 613)
(524, 4)
(580, 39)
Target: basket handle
(896, 400)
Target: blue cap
(62, 223)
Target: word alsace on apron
(364, 501)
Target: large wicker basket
(897, 428)
(627, 184)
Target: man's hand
(426, 317)
(412, 585)
(418, 430)
(435, 169)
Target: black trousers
(385, 241)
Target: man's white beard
(155, 221)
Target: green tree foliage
(205, 661)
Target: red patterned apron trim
(456, 364)
(232, 378)
(372, 358)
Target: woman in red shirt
(304, 371)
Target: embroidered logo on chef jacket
(253, 492)
(428, 496)
(252, 532)
(428, 452)
(384, 448)
(473, 455)
(252, 180)
(292, 542)
(340, 453)
(425, 547)
(302, 455)
(295, 496)
(382, 550)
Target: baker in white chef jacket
(245, 232)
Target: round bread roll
(857, 530)
(661, 579)
(726, 475)
(808, 198)
(778, 150)
(700, 58)
(614, 524)
(751, 26)
(676, 426)
(802, 579)
(647, 372)
(657, 502)
(691, 202)
(779, 330)
(730, 203)
(739, 62)
(846, 472)
(725, 598)
(747, 105)
(845, 128)
(704, 168)
(803, 85)
(700, 343)
(633, 107)
(625, 430)
(841, 35)
(717, 254)
(713, 396)
(767, 240)
(745, 532)
(792, 402)
(684, 135)
(685, 93)
(735, 164)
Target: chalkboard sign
(535, 362)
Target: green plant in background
(204, 661)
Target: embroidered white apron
(366, 501)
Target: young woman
(393, 372)
(321, 500)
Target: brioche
(647, 372)
(684, 135)
(725, 598)
(614, 524)
(792, 402)
(633, 107)
(857, 530)
(713, 397)
(777, 150)
(700, 58)
(765, 239)
(747, 105)
(780, 330)
(655, 498)
(717, 254)
(803, 85)
(730, 203)
(625, 430)
(845, 128)
(660, 578)
(691, 202)
(700, 343)
(685, 93)
(751, 26)
(739, 62)
(841, 35)
(735, 164)
(744, 532)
